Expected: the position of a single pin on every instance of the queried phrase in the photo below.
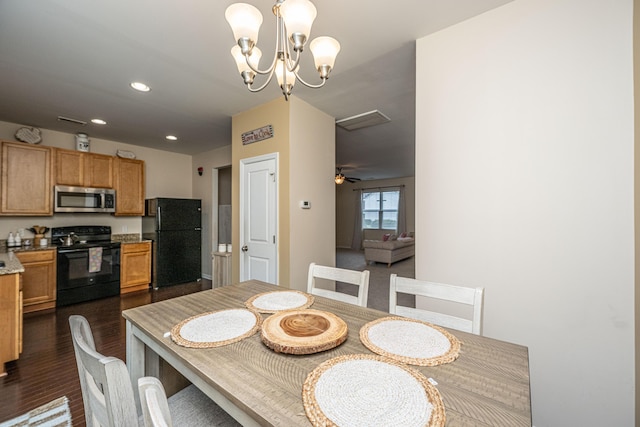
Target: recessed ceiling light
(98, 121)
(171, 137)
(139, 86)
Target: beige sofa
(388, 251)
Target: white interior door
(258, 214)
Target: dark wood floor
(47, 368)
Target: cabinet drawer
(127, 248)
(36, 256)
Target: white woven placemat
(361, 390)
(410, 341)
(217, 328)
(273, 302)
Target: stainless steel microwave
(84, 199)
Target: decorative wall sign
(256, 135)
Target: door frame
(241, 211)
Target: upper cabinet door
(80, 169)
(128, 176)
(69, 168)
(27, 181)
(99, 171)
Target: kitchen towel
(95, 259)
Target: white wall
(525, 186)
(167, 175)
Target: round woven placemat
(410, 341)
(275, 301)
(362, 390)
(303, 331)
(216, 328)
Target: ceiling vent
(363, 120)
(69, 120)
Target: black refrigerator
(175, 226)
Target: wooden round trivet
(275, 301)
(303, 331)
(216, 328)
(410, 341)
(361, 390)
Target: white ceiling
(76, 58)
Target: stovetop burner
(83, 236)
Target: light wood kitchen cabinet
(135, 266)
(129, 182)
(26, 188)
(10, 320)
(79, 169)
(38, 279)
(99, 170)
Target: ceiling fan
(340, 178)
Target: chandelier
(293, 24)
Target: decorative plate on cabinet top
(125, 154)
(30, 135)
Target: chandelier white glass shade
(339, 178)
(294, 19)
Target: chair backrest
(359, 278)
(440, 291)
(106, 387)
(153, 399)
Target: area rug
(53, 414)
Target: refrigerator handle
(159, 215)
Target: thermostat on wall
(305, 204)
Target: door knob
(245, 248)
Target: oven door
(77, 281)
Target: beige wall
(346, 199)
(636, 73)
(312, 165)
(203, 188)
(525, 186)
(275, 113)
(167, 175)
(304, 139)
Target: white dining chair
(358, 278)
(107, 393)
(153, 400)
(108, 396)
(188, 407)
(472, 297)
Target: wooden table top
(487, 384)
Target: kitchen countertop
(12, 264)
(5, 249)
(128, 238)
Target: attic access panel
(359, 121)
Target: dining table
(487, 384)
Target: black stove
(83, 236)
(89, 268)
